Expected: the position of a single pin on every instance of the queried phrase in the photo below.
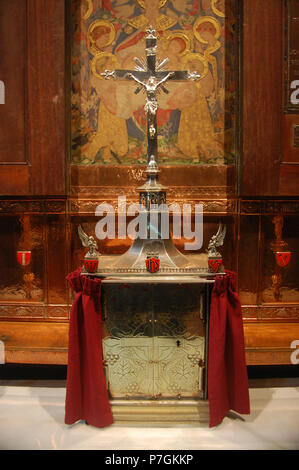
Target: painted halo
(206, 19)
(96, 24)
(184, 37)
(99, 62)
(89, 10)
(215, 9)
(192, 56)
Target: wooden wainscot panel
(12, 67)
(185, 182)
(14, 169)
(289, 179)
(269, 343)
(14, 179)
(291, 138)
(32, 119)
(35, 343)
(46, 96)
(262, 96)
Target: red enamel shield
(91, 265)
(23, 257)
(215, 264)
(283, 257)
(152, 264)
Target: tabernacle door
(155, 340)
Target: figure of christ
(151, 86)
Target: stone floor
(32, 418)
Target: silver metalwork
(216, 240)
(88, 241)
(108, 74)
(151, 77)
(193, 76)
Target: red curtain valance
(86, 391)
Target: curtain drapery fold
(86, 390)
(227, 372)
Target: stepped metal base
(160, 412)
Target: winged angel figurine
(88, 241)
(216, 240)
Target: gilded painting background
(196, 121)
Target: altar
(155, 299)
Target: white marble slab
(32, 417)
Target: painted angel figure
(216, 240)
(88, 241)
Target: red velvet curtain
(227, 373)
(86, 391)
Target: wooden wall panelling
(262, 97)
(248, 261)
(14, 169)
(279, 285)
(269, 343)
(32, 66)
(34, 342)
(19, 283)
(12, 73)
(57, 247)
(270, 323)
(46, 96)
(289, 172)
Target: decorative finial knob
(152, 167)
(151, 33)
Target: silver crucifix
(151, 77)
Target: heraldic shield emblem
(24, 257)
(283, 258)
(215, 264)
(152, 264)
(91, 265)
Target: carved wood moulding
(265, 356)
(269, 206)
(32, 206)
(23, 311)
(273, 312)
(210, 206)
(183, 192)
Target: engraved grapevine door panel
(155, 353)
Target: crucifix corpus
(151, 77)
